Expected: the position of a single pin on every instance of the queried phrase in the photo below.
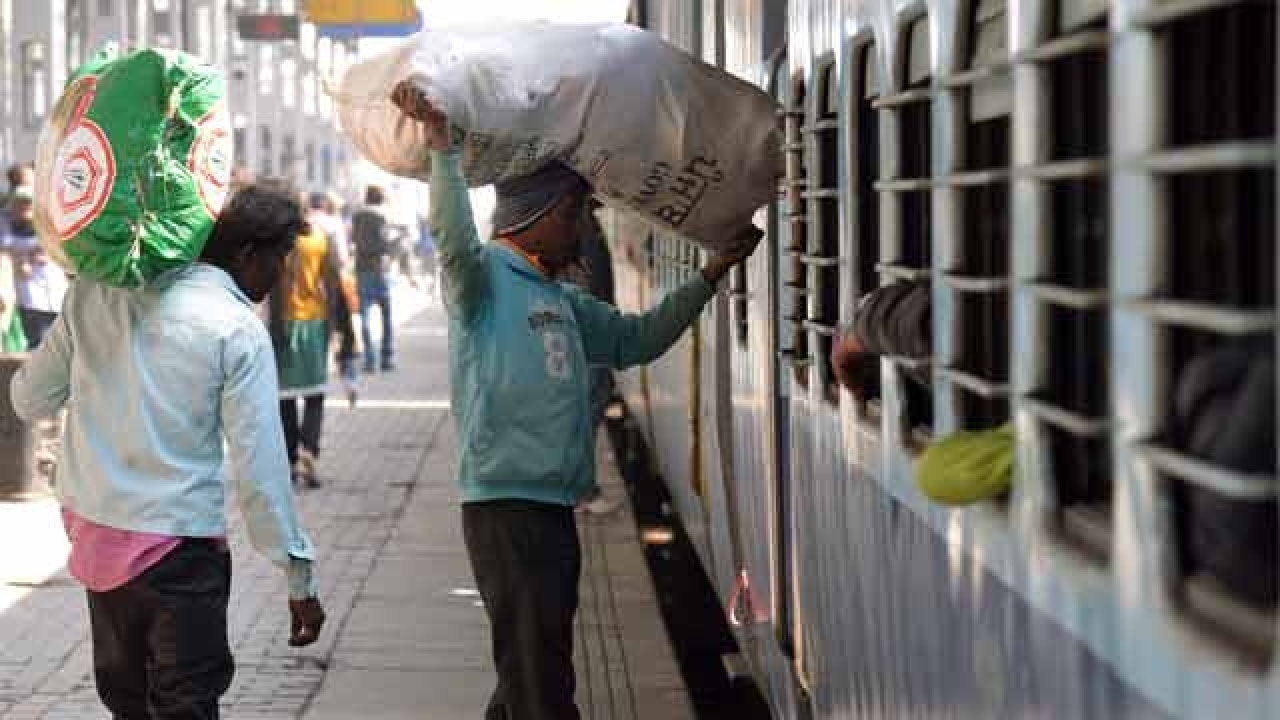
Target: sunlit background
(34, 525)
(567, 11)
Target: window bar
(818, 260)
(904, 272)
(1072, 422)
(1218, 156)
(1065, 46)
(1163, 13)
(976, 284)
(1243, 486)
(821, 328)
(1214, 318)
(1065, 170)
(978, 385)
(1068, 297)
(975, 178)
(905, 185)
(906, 97)
(963, 80)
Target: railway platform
(406, 636)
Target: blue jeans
(374, 290)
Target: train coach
(1087, 190)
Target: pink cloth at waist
(104, 558)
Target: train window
(864, 141)
(908, 253)
(795, 281)
(1075, 14)
(1070, 399)
(822, 254)
(1216, 303)
(866, 162)
(979, 276)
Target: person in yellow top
(307, 307)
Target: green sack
(967, 467)
(133, 165)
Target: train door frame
(779, 86)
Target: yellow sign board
(361, 12)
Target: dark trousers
(160, 647)
(375, 291)
(526, 560)
(35, 323)
(308, 434)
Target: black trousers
(308, 434)
(160, 647)
(526, 560)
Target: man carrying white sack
(519, 348)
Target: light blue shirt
(520, 345)
(167, 388)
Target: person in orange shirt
(307, 307)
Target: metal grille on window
(1070, 398)
(1217, 308)
(908, 252)
(795, 290)
(821, 260)
(978, 277)
(865, 139)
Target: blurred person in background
(326, 216)
(378, 245)
(306, 308)
(40, 283)
(594, 273)
(21, 175)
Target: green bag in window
(133, 165)
(967, 467)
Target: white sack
(688, 146)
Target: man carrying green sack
(174, 410)
(133, 165)
(968, 467)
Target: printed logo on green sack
(84, 168)
(210, 158)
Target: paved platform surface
(407, 636)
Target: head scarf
(524, 200)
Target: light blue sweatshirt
(155, 381)
(519, 348)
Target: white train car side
(1088, 187)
